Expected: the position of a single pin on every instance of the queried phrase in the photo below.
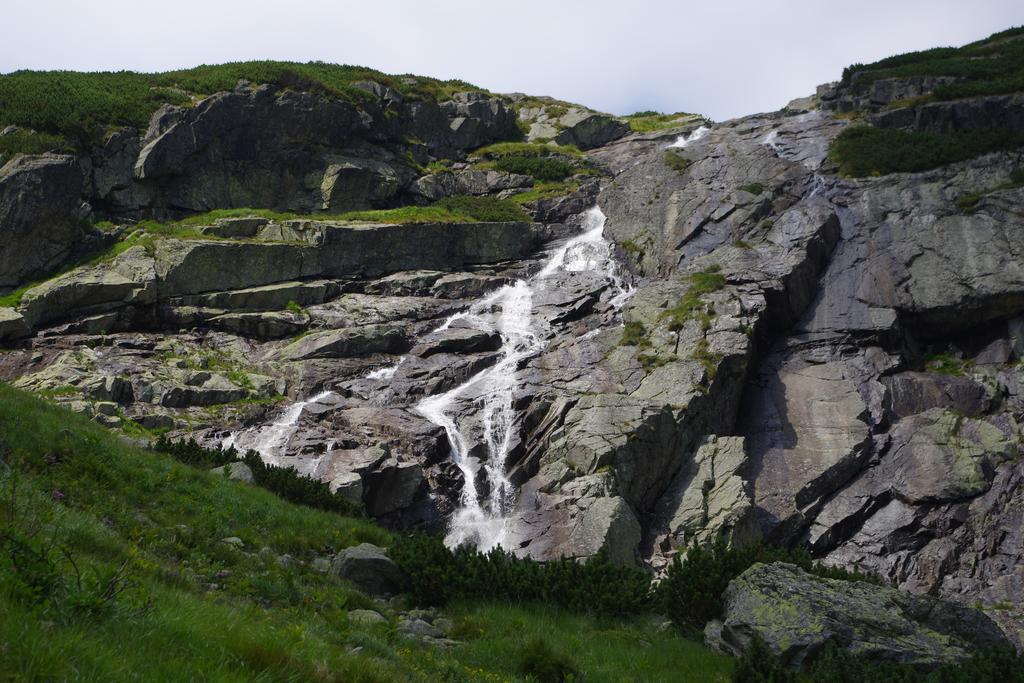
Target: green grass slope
(113, 568)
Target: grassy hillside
(74, 108)
(113, 567)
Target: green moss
(634, 334)
(690, 306)
(945, 364)
(753, 188)
(676, 161)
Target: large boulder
(40, 199)
(797, 614)
(369, 568)
(587, 129)
(436, 186)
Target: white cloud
(723, 59)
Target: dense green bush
(81, 106)
(691, 593)
(544, 169)
(987, 67)
(835, 665)
(191, 453)
(24, 142)
(865, 150)
(285, 482)
(485, 209)
(436, 575)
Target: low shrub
(26, 142)
(544, 169)
(437, 575)
(287, 483)
(691, 593)
(864, 150)
(192, 453)
(284, 482)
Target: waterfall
(479, 415)
(271, 440)
(687, 140)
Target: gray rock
(367, 567)
(587, 129)
(916, 392)
(795, 614)
(392, 486)
(349, 485)
(358, 341)
(366, 617)
(437, 186)
(233, 541)
(40, 199)
(236, 471)
(418, 628)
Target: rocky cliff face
(794, 356)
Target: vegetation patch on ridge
(863, 150)
(991, 66)
(80, 107)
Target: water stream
(479, 415)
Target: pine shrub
(691, 593)
(436, 575)
(284, 482)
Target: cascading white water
(687, 140)
(772, 142)
(271, 440)
(490, 392)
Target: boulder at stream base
(366, 566)
(796, 614)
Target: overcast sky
(721, 58)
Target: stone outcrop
(40, 216)
(797, 614)
(369, 568)
(314, 153)
(194, 280)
